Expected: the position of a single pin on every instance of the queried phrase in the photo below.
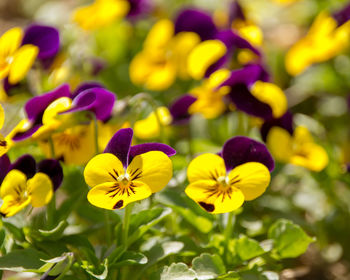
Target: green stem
(51, 210)
(95, 134)
(66, 269)
(52, 148)
(228, 230)
(108, 228)
(126, 225)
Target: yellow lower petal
(109, 196)
(311, 156)
(22, 62)
(154, 168)
(12, 206)
(280, 144)
(204, 55)
(215, 202)
(40, 189)
(272, 95)
(103, 168)
(251, 178)
(206, 167)
(14, 184)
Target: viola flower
(328, 36)
(48, 112)
(150, 127)
(100, 13)
(251, 93)
(163, 57)
(15, 60)
(179, 109)
(27, 183)
(221, 183)
(125, 173)
(298, 148)
(217, 47)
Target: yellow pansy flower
(15, 60)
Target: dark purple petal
(85, 86)
(196, 21)
(4, 166)
(232, 41)
(25, 164)
(98, 65)
(53, 169)
(218, 64)
(240, 149)
(36, 106)
(247, 75)
(244, 101)
(343, 15)
(179, 109)
(19, 136)
(120, 144)
(138, 8)
(286, 122)
(236, 12)
(97, 100)
(46, 38)
(147, 147)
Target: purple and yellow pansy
(126, 173)
(26, 183)
(221, 183)
(293, 145)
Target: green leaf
(230, 276)
(290, 240)
(131, 258)
(248, 248)
(144, 217)
(141, 230)
(99, 275)
(208, 266)
(56, 232)
(15, 231)
(22, 260)
(177, 271)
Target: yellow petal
(206, 167)
(103, 168)
(252, 33)
(252, 178)
(272, 95)
(311, 156)
(160, 34)
(23, 60)
(109, 196)
(4, 145)
(14, 184)
(302, 136)
(280, 144)
(40, 189)
(204, 55)
(181, 46)
(205, 194)
(154, 72)
(149, 127)
(154, 168)
(100, 13)
(10, 42)
(12, 206)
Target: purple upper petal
(26, 164)
(53, 169)
(286, 122)
(120, 144)
(179, 109)
(138, 8)
(343, 15)
(85, 86)
(232, 41)
(196, 21)
(97, 100)
(147, 147)
(4, 166)
(236, 12)
(240, 149)
(36, 106)
(46, 38)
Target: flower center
(223, 181)
(124, 179)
